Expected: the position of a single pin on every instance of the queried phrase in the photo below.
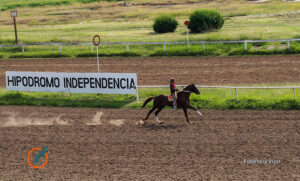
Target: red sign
(186, 23)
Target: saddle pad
(170, 97)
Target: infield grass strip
(278, 48)
(256, 99)
(42, 3)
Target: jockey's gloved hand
(176, 89)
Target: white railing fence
(153, 43)
(225, 87)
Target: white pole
(245, 44)
(203, 46)
(98, 61)
(60, 49)
(23, 49)
(288, 44)
(127, 47)
(137, 95)
(164, 48)
(187, 36)
(294, 94)
(236, 94)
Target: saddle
(170, 97)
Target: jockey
(173, 90)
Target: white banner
(106, 83)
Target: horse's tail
(147, 101)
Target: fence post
(164, 48)
(69, 91)
(91, 48)
(127, 47)
(137, 95)
(203, 46)
(187, 37)
(59, 49)
(22, 49)
(236, 94)
(288, 44)
(245, 42)
(294, 94)
(98, 61)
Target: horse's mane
(183, 90)
(187, 87)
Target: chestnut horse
(183, 101)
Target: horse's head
(192, 88)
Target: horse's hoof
(200, 114)
(141, 122)
(161, 122)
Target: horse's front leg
(198, 112)
(186, 115)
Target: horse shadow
(156, 127)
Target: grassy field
(209, 98)
(131, 21)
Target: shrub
(164, 24)
(205, 20)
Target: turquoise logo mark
(41, 153)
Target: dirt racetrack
(106, 144)
(157, 71)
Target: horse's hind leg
(149, 113)
(156, 115)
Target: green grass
(256, 99)
(80, 20)
(18, 4)
(39, 55)
(152, 50)
(9, 5)
(64, 100)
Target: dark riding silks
(172, 87)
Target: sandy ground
(157, 71)
(106, 144)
